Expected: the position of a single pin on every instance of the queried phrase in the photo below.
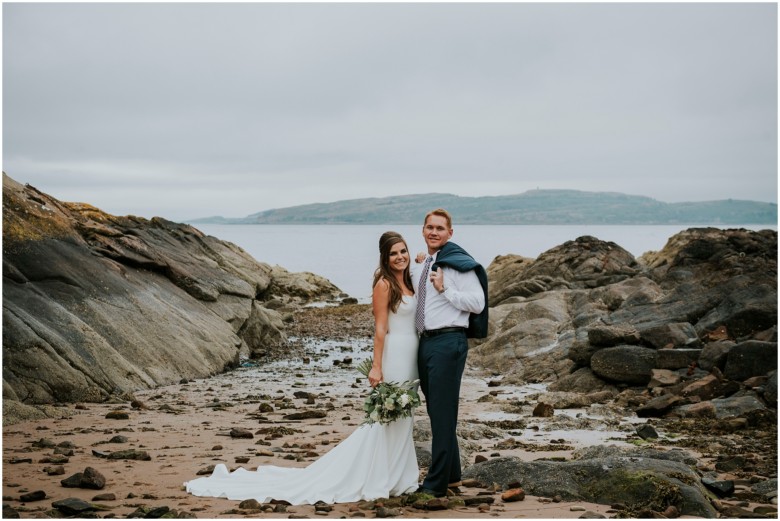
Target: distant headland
(536, 207)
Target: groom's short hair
(441, 212)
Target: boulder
(770, 390)
(626, 364)
(721, 408)
(714, 354)
(676, 358)
(506, 279)
(585, 262)
(95, 304)
(581, 381)
(663, 378)
(607, 336)
(675, 334)
(751, 358)
(635, 482)
(705, 388)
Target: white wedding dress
(375, 461)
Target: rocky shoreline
(643, 387)
(129, 458)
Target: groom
(451, 307)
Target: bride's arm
(381, 304)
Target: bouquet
(388, 401)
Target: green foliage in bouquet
(388, 401)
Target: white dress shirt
(462, 296)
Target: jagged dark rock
(566, 319)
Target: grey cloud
(314, 102)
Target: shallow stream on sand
(329, 367)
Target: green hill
(533, 207)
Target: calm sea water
(347, 255)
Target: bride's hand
(375, 376)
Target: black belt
(441, 331)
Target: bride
(376, 460)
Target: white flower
(389, 404)
(403, 401)
(374, 415)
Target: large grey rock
(670, 335)
(770, 390)
(95, 304)
(751, 358)
(733, 406)
(714, 354)
(607, 336)
(676, 358)
(633, 481)
(581, 381)
(626, 364)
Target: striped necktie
(419, 317)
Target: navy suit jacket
(453, 256)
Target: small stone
(32, 496)
(731, 464)
(544, 410)
(723, 488)
(10, 513)
(133, 454)
(57, 470)
(384, 512)
(240, 433)
(592, 515)
(249, 504)
(280, 508)
(513, 494)
(157, 513)
(479, 458)
(671, 512)
(92, 479)
(72, 506)
(306, 415)
(484, 507)
(206, 471)
(646, 431)
(439, 503)
(110, 496)
(118, 439)
(216, 447)
(15, 461)
(73, 481)
(577, 508)
(322, 507)
(478, 500)
(242, 459)
(118, 415)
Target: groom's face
(436, 233)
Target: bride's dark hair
(386, 242)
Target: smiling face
(436, 232)
(398, 258)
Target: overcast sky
(193, 110)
